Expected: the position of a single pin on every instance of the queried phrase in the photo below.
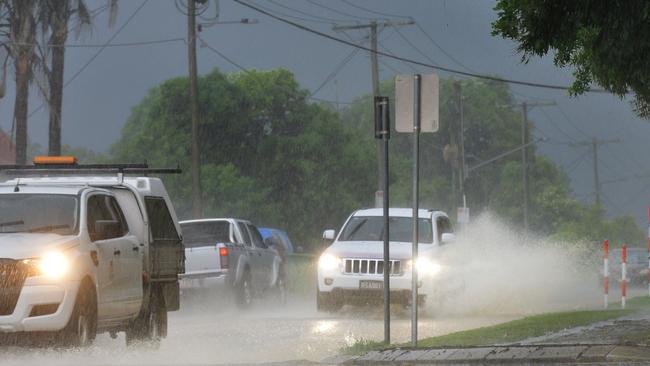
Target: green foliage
(270, 156)
(605, 42)
(267, 154)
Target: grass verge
(513, 331)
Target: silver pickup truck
(226, 252)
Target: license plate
(373, 285)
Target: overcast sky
(98, 101)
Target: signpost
(416, 110)
(382, 132)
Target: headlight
(53, 265)
(426, 266)
(328, 262)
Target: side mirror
(329, 234)
(106, 229)
(448, 238)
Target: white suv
(351, 269)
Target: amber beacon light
(55, 160)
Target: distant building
(7, 149)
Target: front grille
(12, 278)
(372, 266)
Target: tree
(21, 16)
(54, 18)
(606, 42)
(267, 153)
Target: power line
(414, 46)
(414, 62)
(433, 42)
(103, 45)
(293, 16)
(338, 11)
(90, 60)
(244, 69)
(322, 19)
(374, 11)
(228, 59)
(336, 70)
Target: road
(213, 332)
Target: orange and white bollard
(606, 272)
(623, 275)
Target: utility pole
(525, 137)
(372, 25)
(595, 144)
(197, 210)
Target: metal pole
(382, 131)
(416, 176)
(594, 148)
(197, 210)
(524, 163)
(375, 92)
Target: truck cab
(82, 254)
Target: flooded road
(215, 332)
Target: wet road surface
(215, 332)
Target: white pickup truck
(231, 253)
(351, 269)
(83, 252)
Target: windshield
(371, 228)
(38, 213)
(205, 233)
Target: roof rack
(85, 169)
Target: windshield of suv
(38, 213)
(196, 234)
(371, 228)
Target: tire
(327, 303)
(151, 324)
(244, 291)
(82, 326)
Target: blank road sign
(404, 95)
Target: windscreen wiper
(47, 228)
(12, 223)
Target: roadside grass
(513, 331)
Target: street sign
(404, 94)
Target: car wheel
(151, 324)
(245, 291)
(82, 326)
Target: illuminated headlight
(328, 262)
(426, 266)
(53, 265)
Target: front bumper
(350, 283)
(33, 294)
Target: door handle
(117, 252)
(136, 249)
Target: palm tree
(55, 17)
(21, 17)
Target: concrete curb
(500, 354)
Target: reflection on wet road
(215, 332)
